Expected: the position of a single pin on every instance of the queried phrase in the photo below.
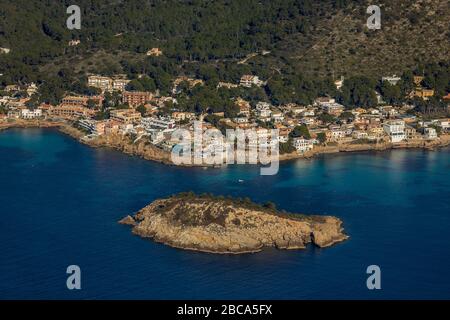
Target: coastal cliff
(123, 143)
(230, 226)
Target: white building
(240, 120)
(100, 82)
(120, 84)
(158, 124)
(323, 100)
(263, 105)
(30, 114)
(307, 121)
(32, 89)
(283, 138)
(277, 116)
(157, 137)
(395, 130)
(249, 80)
(360, 135)
(430, 133)
(263, 110)
(388, 111)
(336, 134)
(303, 145)
(74, 43)
(332, 108)
(393, 80)
(93, 126)
(308, 113)
(339, 83)
(444, 124)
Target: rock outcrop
(123, 143)
(223, 225)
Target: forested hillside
(299, 46)
(322, 37)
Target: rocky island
(230, 226)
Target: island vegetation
(219, 224)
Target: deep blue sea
(60, 202)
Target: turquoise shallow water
(60, 202)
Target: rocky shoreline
(444, 141)
(148, 151)
(230, 226)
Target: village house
(135, 98)
(119, 83)
(360, 135)
(297, 110)
(323, 100)
(165, 124)
(125, 116)
(332, 108)
(310, 112)
(335, 135)
(226, 85)
(375, 131)
(277, 116)
(73, 43)
(182, 116)
(408, 118)
(244, 107)
(75, 101)
(5, 100)
(31, 89)
(240, 120)
(71, 112)
(155, 52)
(190, 81)
(430, 133)
(283, 135)
(82, 101)
(444, 124)
(14, 113)
(308, 121)
(17, 103)
(264, 138)
(12, 88)
(388, 111)
(112, 126)
(250, 80)
(418, 80)
(423, 93)
(393, 80)
(329, 105)
(45, 107)
(303, 145)
(348, 128)
(103, 83)
(28, 114)
(411, 133)
(339, 83)
(5, 50)
(263, 110)
(92, 126)
(395, 129)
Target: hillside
(412, 33)
(318, 39)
